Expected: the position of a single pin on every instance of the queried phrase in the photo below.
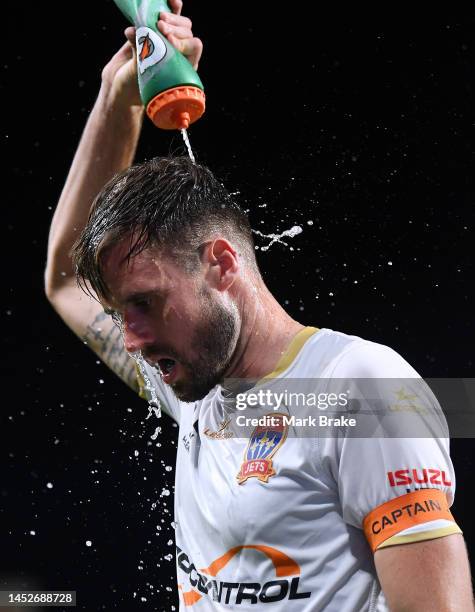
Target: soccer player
(275, 521)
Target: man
(296, 523)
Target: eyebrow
(132, 297)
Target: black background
(360, 123)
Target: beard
(214, 342)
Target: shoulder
(354, 357)
(329, 353)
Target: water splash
(153, 401)
(157, 431)
(184, 133)
(293, 231)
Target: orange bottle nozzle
(184, 120)
(177, 108)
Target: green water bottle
(170, 88)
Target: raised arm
(107, 146)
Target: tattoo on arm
(109, 345)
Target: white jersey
(291, 523)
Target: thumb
(130, 35)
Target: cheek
(180, 314)
(169, 313)
(139, 326)
(185, 307)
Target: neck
(266, 332)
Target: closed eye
(142, 303)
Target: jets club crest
(263, 444)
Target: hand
(119, 76)
(177, 30)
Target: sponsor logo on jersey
(264, 442)
(407, 402)
(206, 581)
(220, 433)
(429, 476)
(187, 439)
(150, 48)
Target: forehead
(149, 270)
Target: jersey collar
(291, 352)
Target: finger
(176, 20)
(177, 31)
(130, 35)
(192, 48)
(176, 6)
(125, 52)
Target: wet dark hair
(167, 202)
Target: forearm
(107, 146)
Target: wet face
(182, 326)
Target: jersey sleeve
(169, 403)
(397, 489)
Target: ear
(222, 261)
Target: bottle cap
(177, 108)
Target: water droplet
(293, 231)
